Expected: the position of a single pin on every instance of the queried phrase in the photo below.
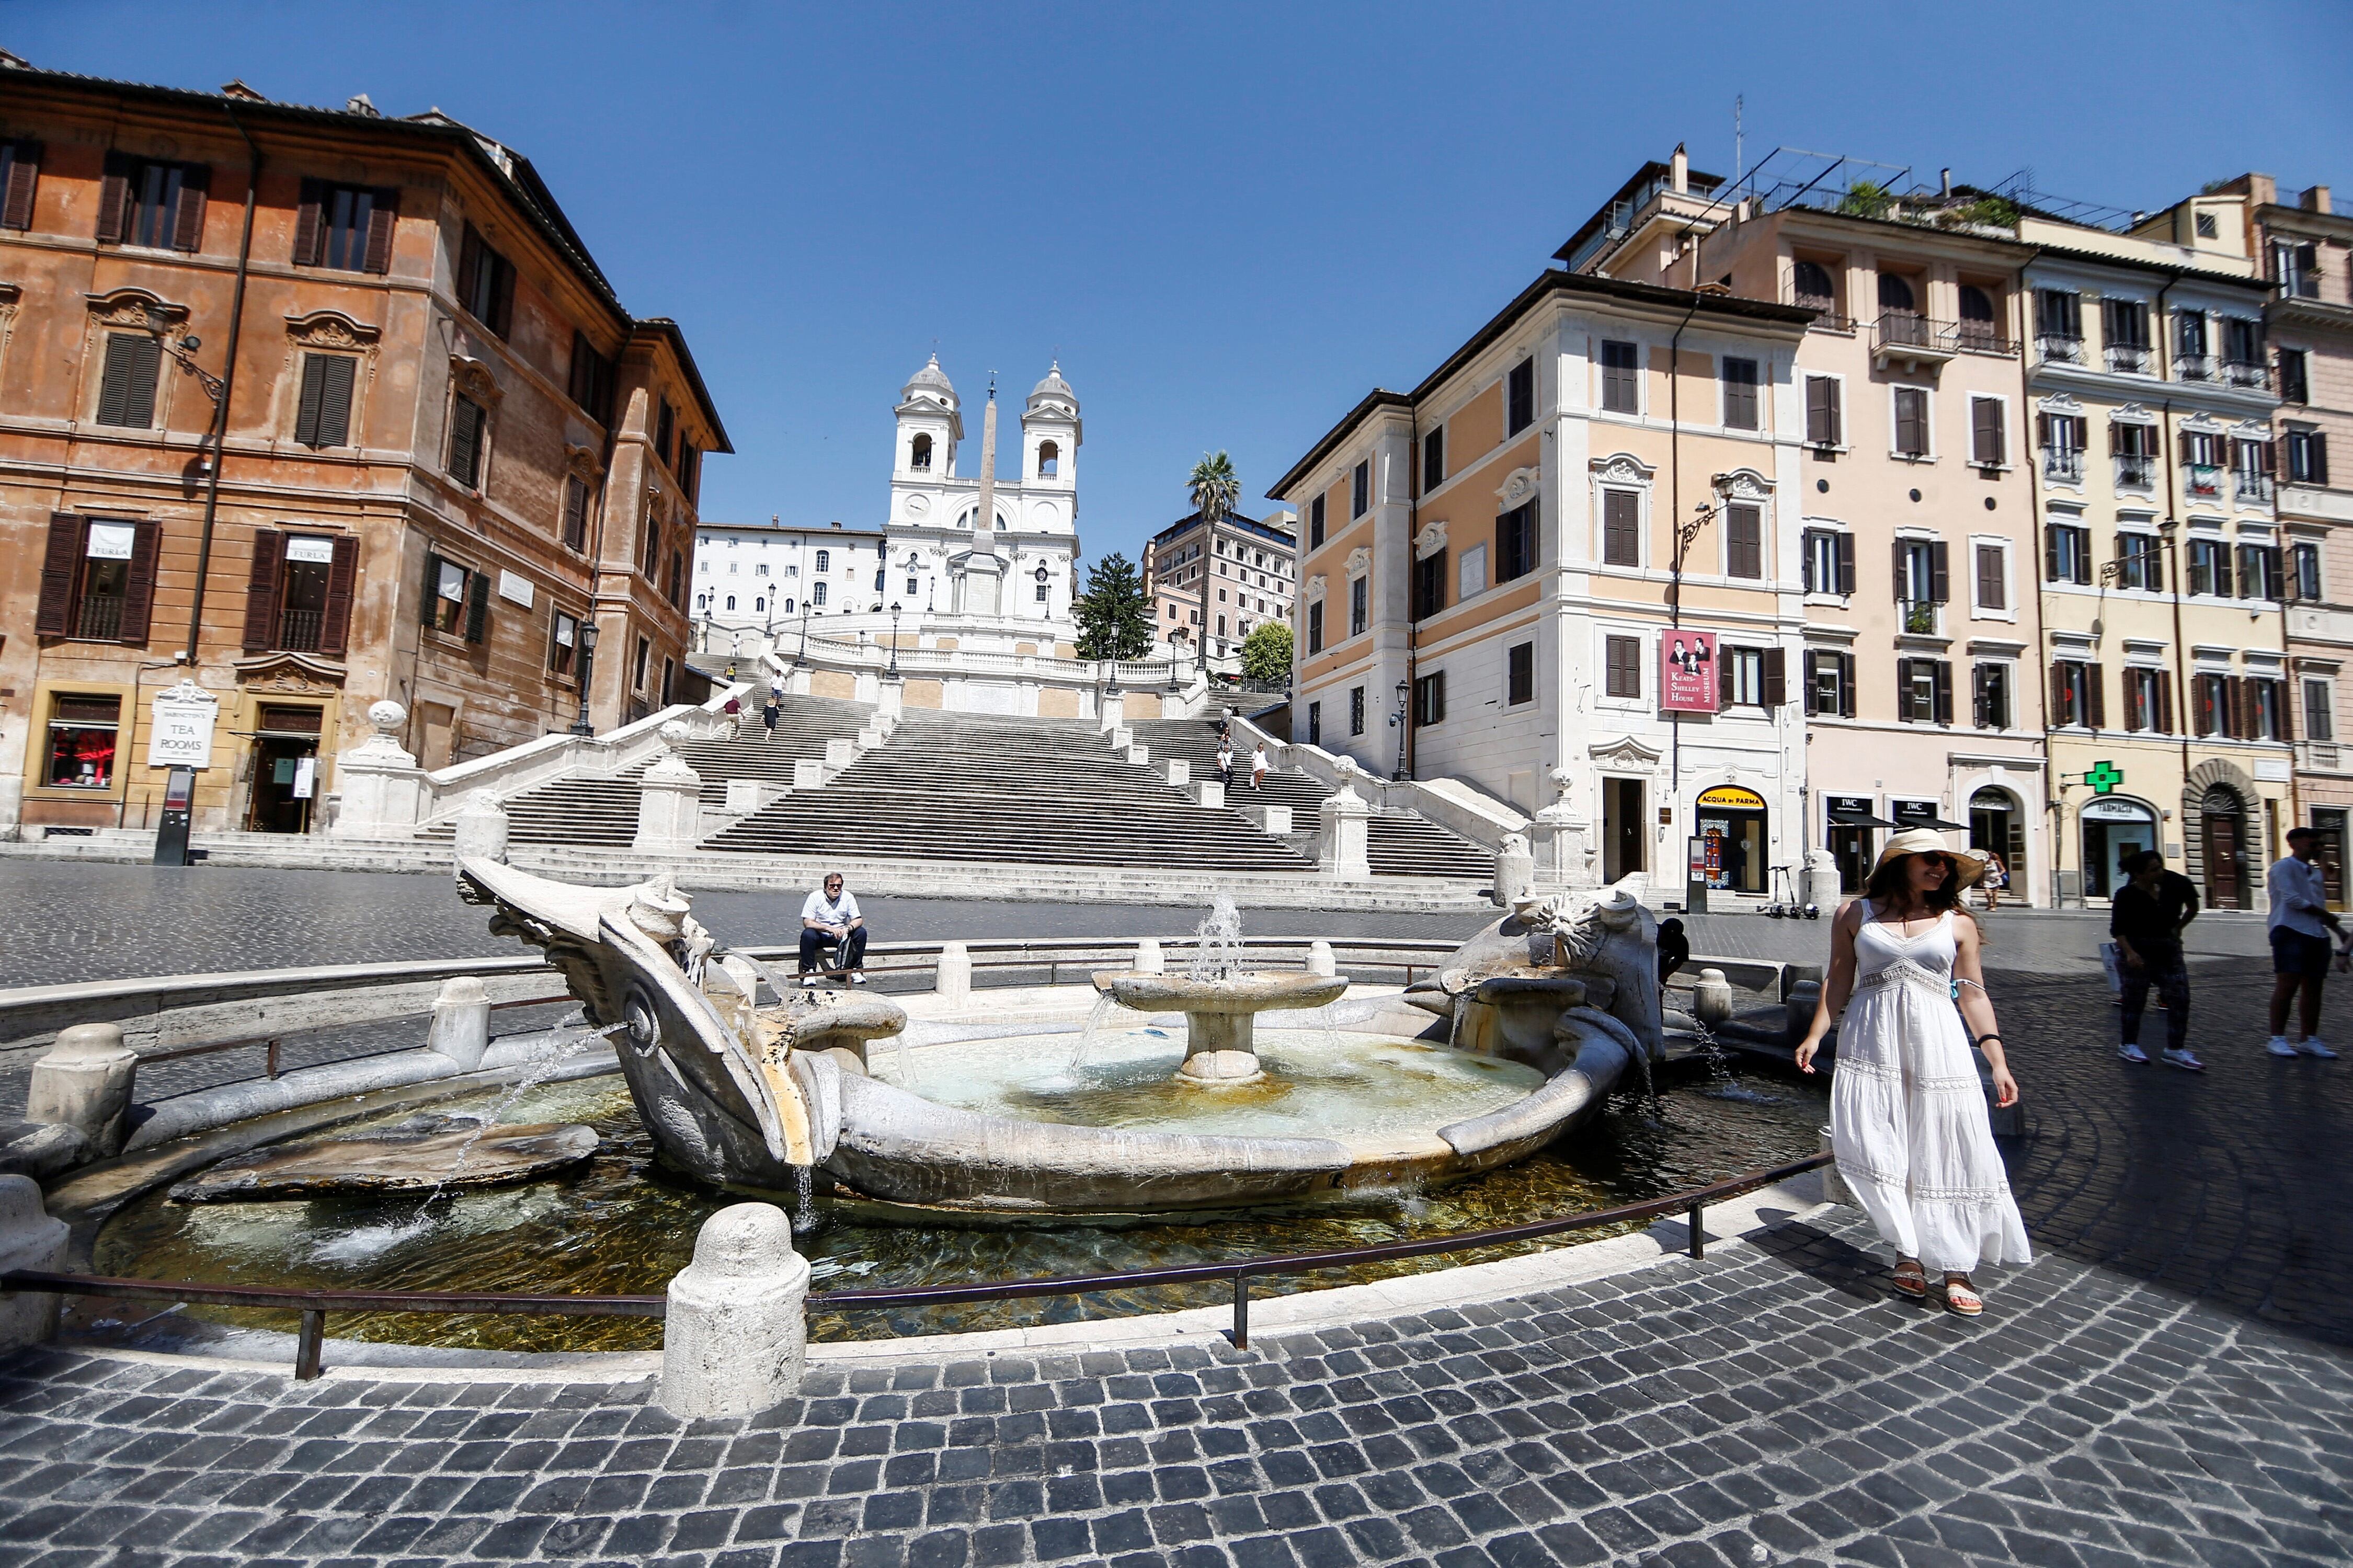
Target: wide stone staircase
(603, 812)
(976, 787)
(1398, 843)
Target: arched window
(920, 455)
(817, 594)
(1894, 293)
(824, 564)
(702, 601)
(1812, 281)
(731, 600)
(1049, 460)
(761, 603)
(788, 606)
(1977, 328)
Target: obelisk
(982, 569)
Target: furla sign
(182, 733)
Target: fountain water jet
(1221, 1000)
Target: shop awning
(1859, 819)
(1939, 823)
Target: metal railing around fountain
(314, 1305)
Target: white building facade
(761, 578)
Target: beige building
(1221, 584)
(307, 409)
(1494, 588)
(1920, 681)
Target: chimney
(2315, 199)
(1680, 179)
(1946, 177)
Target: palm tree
(1215, 490)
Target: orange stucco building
(446, 451)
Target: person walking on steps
(1226, 760)
(768, 711)
(1908, 1122)
(1258, 767)
(831, 921)
(1997, 878)
(2147, 920)
(2300, 923)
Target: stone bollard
(1274, 821)
(29, 1239)
(1177, 771)
(745, 796)
(953, 979)
(460, 1029)
(807, 773)
(1319, 958)
(1149, 959)
(1122, 739)
(1139, 756)
(670, 809)
(735, 1337)
(482, 828)
(1516, 870)
(894, 699)
(838, 754)
(1344, 849)
(1207, 791)
(85, 1082)
(1834, 1187)
(1112, 714)
(1711, 999)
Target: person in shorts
(2301, 925)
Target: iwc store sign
(182, 735)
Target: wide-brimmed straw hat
(1969, 865)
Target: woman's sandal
(1962, 1297)
(1910, 1280)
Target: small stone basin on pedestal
(1220, 1034)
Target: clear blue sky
(1229, 222)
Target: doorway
(1997, 827)
(1731, 823)
(2223, 830)
(2113, 829)
(2329, 822)
(285, 782)
(1624, 834)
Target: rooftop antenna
(1738, 166)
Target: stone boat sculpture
(750, 1097)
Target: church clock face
(918, 505)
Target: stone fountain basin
(414, 1156)
(1253, 991)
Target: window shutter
(465, 441)
(502, 296)
(2096, 697)
(343, 577)
(2237, 726)
(335, 401)
(24, 174)
(432, 583)
(1940, 572)
(2059, 714)
(2084, 561)
(261, 590)
(113, 196)
(478, 608)
(2246, 571)
(1723, 676)
(309, 239)
(139, 588)
(2317, 446)
(189, 216)
(1903, 691)
(1846, 563)
(2042, 429)
(1777, 678)
(57, 567)
(1978, 695)
(1812, 667)
(383, 211)
(469, 266)
(306, 414)
(1942, 672)
(2272, 567)
(2283, 705)
(1903, 584)
(1986, 434)
(1846, 684)
(126, 386)
(2165, 701)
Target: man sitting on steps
(830, 919)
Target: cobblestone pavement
(1772, 1405)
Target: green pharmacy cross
(2103, 777)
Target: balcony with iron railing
(100, 617)
(2246, 373)
(2062, 463)
(2128, 359)
(1826, 312)
(298, 631)
(2135, 472)
(2252, 487)
(1911, 338)
(2059, 348)
(2193, 367)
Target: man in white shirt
(830, 920)
(2300, 927)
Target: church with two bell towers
(987, 556)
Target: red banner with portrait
(1687, 673)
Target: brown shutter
(469, 264)
(478, 608)
(189, 216)
(2241, 729)
(139, 590)
(502, 296)
(1902, 585)
(1812, 667)
(1846, 563)
(1941, 670)
(261, 590)
(335, 401)
(24, 174)
(113, 196)
(2165, 701)
(1940, 572)
(383, 213)
(343, 576)
(432, 588)
(1846, 684)
(1777, 678)
(63, 559)
(2059, 714)
(306, 409)
(2284, 703)
(2095, 695)
(308, 239)
(1723, 676)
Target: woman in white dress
(1908, 1120)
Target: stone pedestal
(670, 809)
(1319, 958)
(482, 828)
(1206, 792)
(807, 773)
(1271, 820)
(736, 1338)
(460, 1029)
(893, 702)
(1149, 959)
(1122, 739)
(383, 792)
(1220, 1049)
(1344, 848)
(85, 1082)
(1821, 883)
(1177, 771)
(839, 752)
(1516, 870)
(1139, 756)
(954, 975)
(1560, 838)
(1111, 714)
(29, 1239)
(745, 796)
(1711, 999)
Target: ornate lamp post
(802, 656)
(893, 673)
(581, 726)
(1404, 690)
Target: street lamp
(802, 656)
(581, 726)
(893, 672)
(1404, 689)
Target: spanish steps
(980, 787)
